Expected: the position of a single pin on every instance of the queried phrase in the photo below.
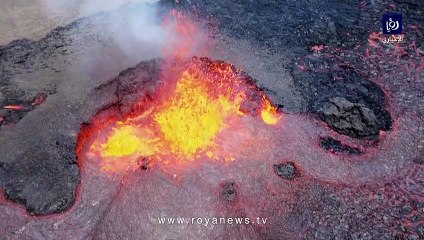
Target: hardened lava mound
(179, 113)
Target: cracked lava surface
(323, 140)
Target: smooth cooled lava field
(292, 114)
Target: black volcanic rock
(331, 144)
(347, 101)
(43, 180)
(286, 170)
(229, 191)
(303, 23)
(349, 118)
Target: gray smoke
(133, 25)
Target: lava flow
(188, 122)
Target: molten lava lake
(197, 109)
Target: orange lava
(269, 112)
(14, 107)
(185, 125)
(196, 112)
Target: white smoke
(134, 25)
(82, 8)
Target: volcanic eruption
(194, 101)
(111, 133)
(186, 117)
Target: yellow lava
(188, 123)
(125, 141)
(192, 119)
(269, 113)
(185, 125)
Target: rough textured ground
(35, 19)
(348, 159)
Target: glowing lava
(125, 141)
(192, 118)
(14, 107)
(269, 113)
(185, 124)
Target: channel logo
(392, 23)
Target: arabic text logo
(392, 23)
